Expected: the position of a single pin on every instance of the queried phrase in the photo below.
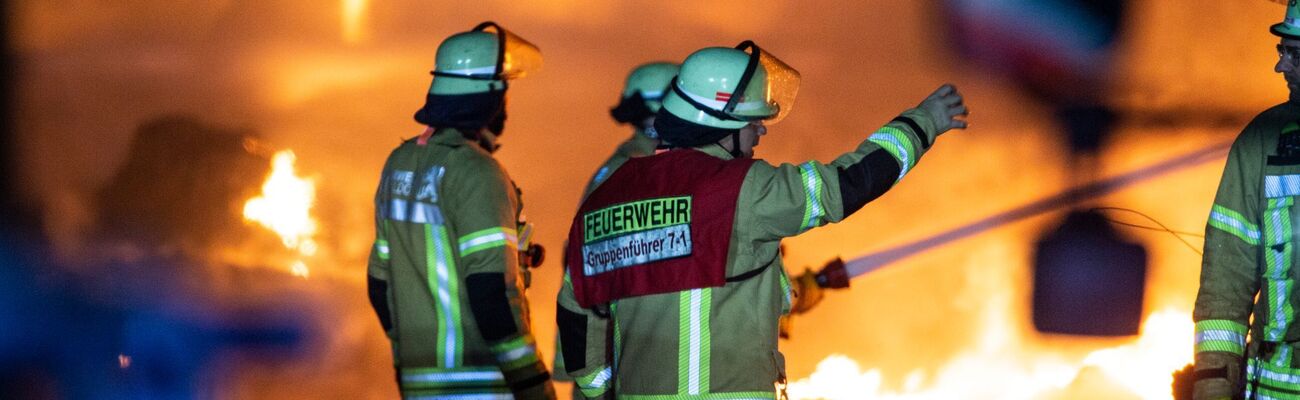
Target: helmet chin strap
(735, 146)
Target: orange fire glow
(997, 369)
(285, 208)
(353, 12)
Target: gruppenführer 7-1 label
(635, 233)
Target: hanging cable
(1162, 228)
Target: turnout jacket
(444, 273)
(721, 342)
(1248, 268)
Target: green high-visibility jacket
(639, 145)
(446, 251)
(721, 342)
(1250, 251)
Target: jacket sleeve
(582, 339)
(482, 207)
(796, 198)
(377, 271)
(1229, 281)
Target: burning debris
(285, 208)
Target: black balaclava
(677, 132)
(631, 110)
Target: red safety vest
(659, 224)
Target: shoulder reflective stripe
(1227, 220)
(596, 383)
(693, 341)
(1276, 186)
(444, 285)
(516, 353)
(705, 396)
(898, 144)
(487, 239)
(413, 211)
(381, 248)
(812, 188)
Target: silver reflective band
(601, 378)
(476, 376)
(492, 69)
(904, 159)
(1273, 375)
(1235, 223)
(414, 212)
(693, 360)
(1281, 186)
(489, 238)
(485, 396)
(812, 183)
(652, 95)
(515, 354)
(1280, 315)
(1292, 22)
(1221, 335)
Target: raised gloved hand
(1218, 376)
(944, 106)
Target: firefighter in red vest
(674, 284)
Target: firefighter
(1248, 268)
(445, 273)
(674, 258)
(641, 98)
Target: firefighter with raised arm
(674, 258)
(1248, 272)
(446, 274)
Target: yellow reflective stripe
(899, 145)
(487, 239)
(515, 353)
(1220, 335)
(596, 383)
(1232, 222)
(381, 248)
(812, 188)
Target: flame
(1142, 369)
(285, 208)
(352, 13)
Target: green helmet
(728, 88)
(643, 93)
(650, 80)
(480, 61)
(1290, 27)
